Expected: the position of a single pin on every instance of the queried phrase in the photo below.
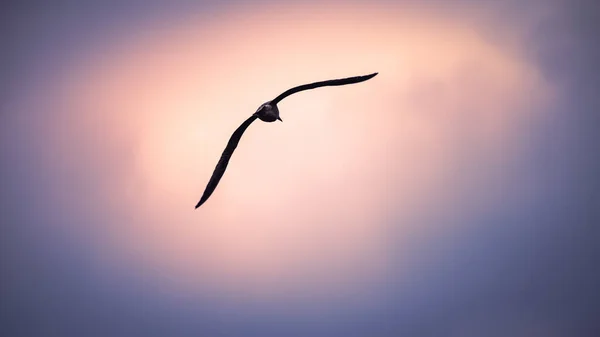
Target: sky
(454, 194)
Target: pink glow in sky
(310, 204)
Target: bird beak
(279, 119)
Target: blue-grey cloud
(526, 268)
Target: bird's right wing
(341, 81)
(222, 164)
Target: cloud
(307, 205)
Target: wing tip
(366, 77)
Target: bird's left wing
(340, 81)
(222, 164)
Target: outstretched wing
(222, 164)
(341, 81)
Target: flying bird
(267, 112)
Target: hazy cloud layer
(453, 194)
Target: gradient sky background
(455, 194)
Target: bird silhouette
(267, 112)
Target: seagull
(267, 112)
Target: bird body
(267, 112)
